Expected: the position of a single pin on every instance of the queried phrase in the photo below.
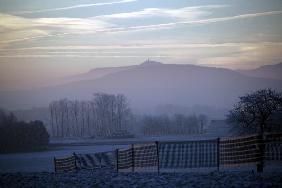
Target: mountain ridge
(273, 71)
(149, 86)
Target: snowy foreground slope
(112, 179)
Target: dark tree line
(21, 136)
(100, 117)
(178, 124)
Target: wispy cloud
(194, 22)
(80, 56)
(11, 22)
(180, 13)
(17, 29)
(75, 7)
(244, 46)
(231, 55)
(243, 60)
(77, 26)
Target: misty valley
(107, 121)
(140, 93)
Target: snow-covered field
(112, 179)
(35, 169)
(43, 161)
(137, 139)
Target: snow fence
(155, 156)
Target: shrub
(21, 136)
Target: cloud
(80, 56)
(16, 29)
(245, 57)
(225, 55)
(244, 46)
(75, 7)
(11, 22)
(180, 13)
(232, 55)
(78, 26)
(193, 22)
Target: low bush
(21, 136)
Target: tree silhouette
(21, 136)
(252, 112)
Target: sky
(42, 40)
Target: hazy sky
(42, 39)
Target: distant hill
(266, 71)
(100, 72)
(151, 84)
(90, 75)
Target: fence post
(117, 159)
(76, 168)
(132, 148)
(261, 146)
(158, 160)
(100, 159)
(218, 153)
(55, 164)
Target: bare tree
(52, 116)
(123, 111)
(202, 120)
(102, 116)
(253, 111)
(75, 113)
(57, 110)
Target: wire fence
(223, 152)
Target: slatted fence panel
(145, 155)
(108, 159)
(87, 161)
(125, 159)
(273, 146)
(95, 160)
(66, 164)
(188, 154)
(240, 150)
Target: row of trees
(21, 136)
(99, 117)
(178, 124)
